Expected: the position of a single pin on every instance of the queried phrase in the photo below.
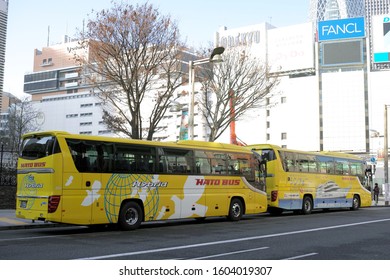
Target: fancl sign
(341, 29)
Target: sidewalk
(9, 221)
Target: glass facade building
(3, 37)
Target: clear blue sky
(28, 22)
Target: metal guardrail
(8, 163)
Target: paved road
(9, 221)
(344, 234)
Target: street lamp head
(216, 54)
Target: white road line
(229, 241)
(230, 253)
(301, 256)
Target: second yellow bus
(303, 181)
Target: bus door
(261, 172)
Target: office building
(3, 37)
(328, 99)
(321, 10)
(60, 91)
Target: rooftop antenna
(48, 35)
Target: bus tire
(236, 210)
(307, 205)
(355, 202)
(130, 216)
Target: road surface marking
(301, 256)
(230, 253)
(228, 241)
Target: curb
(31, 226)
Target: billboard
(341, 29)
(291, 48)
(381, 38)
(342, 52)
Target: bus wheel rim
(131, 216)
(236, 209)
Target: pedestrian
(376, 193)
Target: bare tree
(237, 85)
(133, 62)
(22, 118)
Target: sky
(29, 22)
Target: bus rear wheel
(236, 210)
(307, 205)
(130, 216)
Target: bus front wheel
(130, 216)
(307, 205)
(236, 210)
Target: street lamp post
(386, 157)
(214, 57)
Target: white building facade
(327, 99)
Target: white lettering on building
(241, 39)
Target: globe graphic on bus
(29, 190)
(126, 186)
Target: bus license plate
(23, 204)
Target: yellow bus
(303, 181)
(92, 180)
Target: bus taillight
(274, 195)
(54, 201)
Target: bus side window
(179, 160)
(82, 161)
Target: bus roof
(174, 144)
(322, 153)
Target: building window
(104, 131)
(85, 114)
(284, 135)
(283, 99)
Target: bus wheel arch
(355, 202)
(236, 209)
(307, 205)
(131, 214)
